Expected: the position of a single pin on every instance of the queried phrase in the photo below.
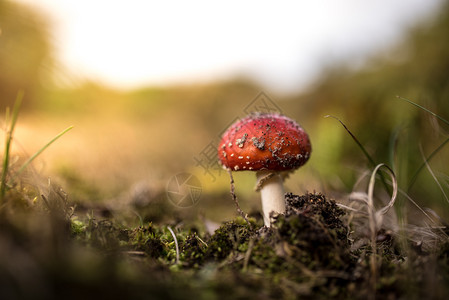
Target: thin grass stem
(426, 161)
(29, 160)
(435, 178)
(425, 109)
(367, 155)
(376, 218)
(176, 243)
(9, 137)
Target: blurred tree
(24, 47)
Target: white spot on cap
(236, 168)
(240, 157)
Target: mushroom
(271, 145)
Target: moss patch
(306, 253)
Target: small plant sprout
(271, 145)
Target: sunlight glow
(282, 44)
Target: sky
(281, 44)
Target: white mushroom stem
(272, 193)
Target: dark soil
(308, 253)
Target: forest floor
(316, 250)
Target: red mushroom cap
(264, 142)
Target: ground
(312, 252)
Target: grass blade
(25, 164)
(370, 159)
(376, 217)
(425, 109)
(426, 161)
(176, 244)
(435, 178)
(9, 135)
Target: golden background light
(280, 44)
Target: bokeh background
(133, 134)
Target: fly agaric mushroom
(268, 144)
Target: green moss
(229, 237)
(148, 240)
(193, 251)
(305, 253)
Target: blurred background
(149, 87)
